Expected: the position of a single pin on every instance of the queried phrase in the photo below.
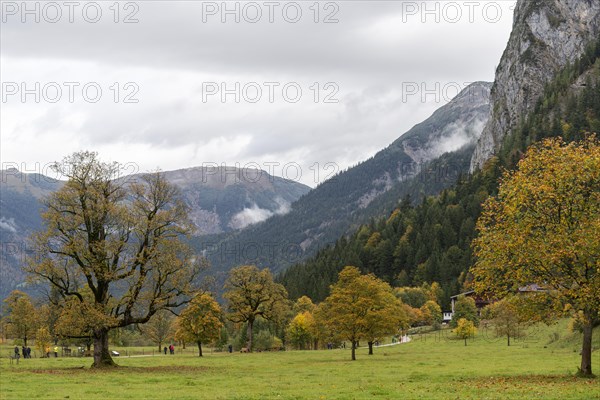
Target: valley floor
(430, 366)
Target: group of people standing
(171, 349)
(26, 352)
(48, 351)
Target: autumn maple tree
(360, 307)
(304, 303)
(387, 314)
(113, 248)
(251, 293)
(507, 318)
(465, 329)
(543, 227)
(300, 330)
(22, 321)
(432, 313)
(200, 322)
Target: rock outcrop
(546, 36)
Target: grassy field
(431, 366)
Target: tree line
(360, 307)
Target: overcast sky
(141, 82)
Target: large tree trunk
(102, 356)
(354, 350)
(370, 348)
(250, 326)
(199, 349)
(586, 349)
(25, 341)
(508, 339)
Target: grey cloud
(170, 52)
(172, 36)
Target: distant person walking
(17, 352)
(55, 351)
(172, 349)
(165, 350)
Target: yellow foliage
(465, 329)
(251, 292)
(544, 226)
(23, 319)
(304, 303)
(43, 339)
(200, 321)
(301, 330)
(373, 241)
(361, 307)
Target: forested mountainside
(426, 159)
(432, 241)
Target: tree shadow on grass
(87, 370)
(516, 381)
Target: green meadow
(434, 365)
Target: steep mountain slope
(547, 35)
(354, 196)
(221, 199)
(432, 241)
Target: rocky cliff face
(457, 124)
(547, 34)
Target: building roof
(462, 294)
(534, 287)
